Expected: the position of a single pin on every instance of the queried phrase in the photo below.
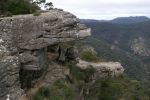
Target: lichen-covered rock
(9, 74)
(104, 70)
(24, 40)
(36, 32)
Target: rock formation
(9, 73)
(140, 47)
(104, 70)
(24, 40)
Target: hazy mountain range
(123, 39)
(121, 20)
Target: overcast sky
(104, 9)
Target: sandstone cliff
(24, 40)
(30, 44)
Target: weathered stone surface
(140, 47)
(104, 70)
(54, 73)
(23, 43)
(35, 32)
(9, 74)
(72, 53)
(67, 52)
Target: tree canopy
(15, 7)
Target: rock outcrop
(104, 70)
(24, 40)
(9, 73)
(140, 47)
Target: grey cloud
(104, 8)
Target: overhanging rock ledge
(23, 39)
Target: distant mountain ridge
(130, 20)
(92, 20)
(131, 39)
(120, 20)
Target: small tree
(40, 3)
(89, 55)
(48, 6)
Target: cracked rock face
(23, 43)
(9, 74)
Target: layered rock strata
(24, 40)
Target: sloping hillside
(126, 43)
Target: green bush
(79, 74)
(90, 56)
(17, 7)
(119, 89)
(110, 89)
(59, 91)
(42, 93)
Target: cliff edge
(24, 40)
